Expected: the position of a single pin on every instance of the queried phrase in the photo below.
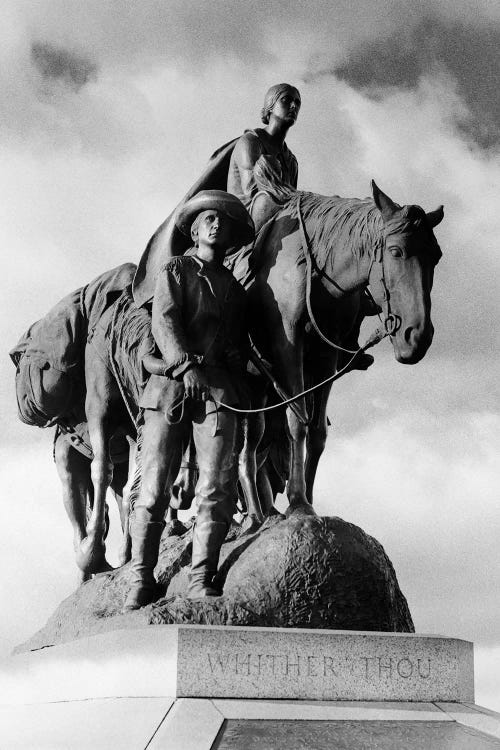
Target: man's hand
(195, 385)
(233, 359)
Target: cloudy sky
(108, 112)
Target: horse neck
(346, 255)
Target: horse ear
(435, 217)
(385, 205)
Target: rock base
(299, 572)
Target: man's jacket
(198, 316)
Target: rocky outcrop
(300, 572)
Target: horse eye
(395, 251)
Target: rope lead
(375, 338)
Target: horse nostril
(408, 334)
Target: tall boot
(145, 549)
(208, 537)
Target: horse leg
(124, 476)
(91, 554)
(289, 354)
(253, 430)
(317, 434)
(73, 470)
(118, 482)
(266, 494)
(183, 489)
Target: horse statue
(312, 263)
(72, 457)
(309, 266)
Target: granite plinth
(270, 663)
(197, 661)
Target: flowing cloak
(168, 241)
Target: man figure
(198, 321)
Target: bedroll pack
(49, 357)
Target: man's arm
(168, 331)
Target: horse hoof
(124, 556)
(181, 497)
(125, 552)
(175, 528)
(83, 577)
(91, 557)
(250, 525)
(300, 509)
(274, 513)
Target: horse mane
(355, 223)
(352, 221)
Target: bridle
(390, 325)
(391, 322)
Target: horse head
(404, 265)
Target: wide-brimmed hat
(218, 200)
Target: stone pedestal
(209, 687)
(322, 665)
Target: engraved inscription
(388, 667)
(294, 665)
(285, 665)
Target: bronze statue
(73, 457)
(266, 149)
(350, 244)
(166, 357)
(257, 167)
(318, 253)
(199, 324)
(50, 389)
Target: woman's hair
(272, 97)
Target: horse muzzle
(411, 343)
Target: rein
(390, 325)
(391, 322)
(375, 338)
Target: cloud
(468, 53)
(55, 63)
